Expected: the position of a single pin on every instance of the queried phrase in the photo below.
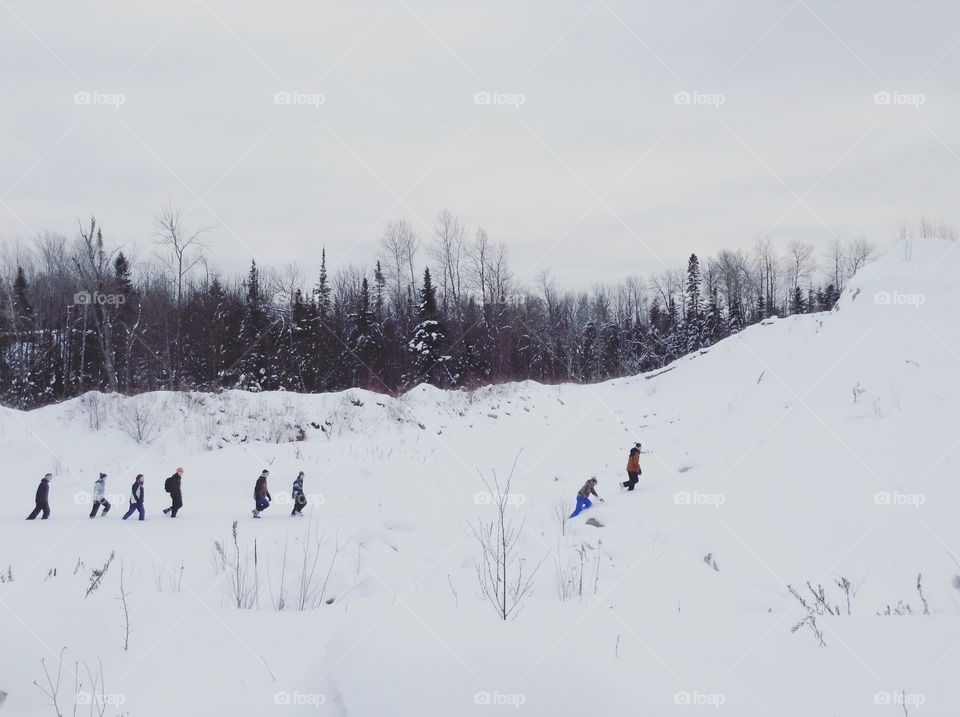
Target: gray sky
(585, 160)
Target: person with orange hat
(172, 486)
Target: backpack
(168, 485)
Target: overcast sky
(557, 126)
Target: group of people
(590, 487)
(261, 493)
(172, 485)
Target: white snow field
(811, 449)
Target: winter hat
(48, 476)
(103, 475)
(264, 472)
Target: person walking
(136, 498)
(583, 497)
(42, 498)
(261, 495)
(99, 489)
(299, 497)
(172, 486)
(633, 468)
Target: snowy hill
(814, 449)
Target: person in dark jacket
(99, 496)
(261, 495)
(172, 486)
(583, 497)
(299, 497)
(136, 498)
(42, 498)
(633, 468)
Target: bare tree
(448, 250)
(93, 264)
(501, 573)
(802, 262)
(185, 249)
(860, 253)
(399, 247)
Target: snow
(810, 448)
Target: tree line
(79, 313)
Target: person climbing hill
(633, 468)
(583, 497)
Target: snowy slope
(813, 448)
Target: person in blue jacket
(136, 498)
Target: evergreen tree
(322, 290)
(797, 303)
(589, 353)
(426, 344)
(365, 339)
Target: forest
(77, 313)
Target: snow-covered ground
(812, 449)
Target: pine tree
(322, 290)
(379, 291)
(365, 338)
(797, 303)
(589, 353)
(426, 344)
(255, 340)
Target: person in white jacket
(99, 488)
